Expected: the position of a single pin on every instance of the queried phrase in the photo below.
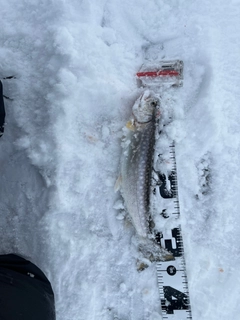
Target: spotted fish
(136, 162)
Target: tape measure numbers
(171, 275)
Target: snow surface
(75, 63)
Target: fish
(136, 160)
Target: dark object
(2, 111)
(25, 292)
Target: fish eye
(153, 104)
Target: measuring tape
(171, 275)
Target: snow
(75, 63)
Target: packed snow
(75, 64)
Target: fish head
(144, 109)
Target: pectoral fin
(118, 184)
(131, 125)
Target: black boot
(25, 292)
